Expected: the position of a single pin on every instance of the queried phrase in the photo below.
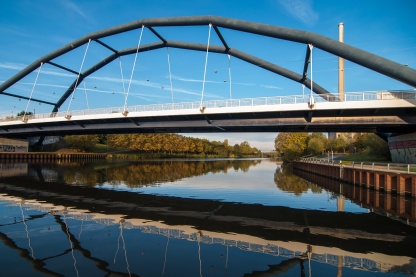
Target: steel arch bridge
(379, 64)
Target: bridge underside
(387, 120)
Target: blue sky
(31, 29)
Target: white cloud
(8, 30)
(19, 67)
(194, 80)
(301, 10)
(12, 66)
(270, 86)
(70, 5)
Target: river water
(219, 217)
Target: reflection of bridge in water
(286, 249)
(231, 225)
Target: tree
(324, 141)
(372, 144)
(339, 144)
(102, 139)
(22, 113)
(82, 142)
(178, 144)
(237, 150)
(315, 146)
(245, 148)
(290, 146)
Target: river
(219, 217)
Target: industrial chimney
(341, 94)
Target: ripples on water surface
(197, 218)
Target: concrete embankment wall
(390, 181)
(49, 157)
(13, 145)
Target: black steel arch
(381, 65)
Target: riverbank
(68, 155)
(50, 156)
(371, 177)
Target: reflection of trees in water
(84, 174)
(287, 181)
(148, 173)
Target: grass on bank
(103, 148)
(365, 157)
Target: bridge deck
(359, 112)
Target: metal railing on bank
(387, 167)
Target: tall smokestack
(341, 86)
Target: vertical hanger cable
(79, 74)
(170, 74)
(205, 68)
(132, 70)
(229, 74)
(33, 89)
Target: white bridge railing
(244, 102)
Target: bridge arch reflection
(273, 231)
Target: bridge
(320, 111)
(383, 112)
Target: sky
(31, 29)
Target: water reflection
(287, 181)
(134, 175)
(399, 207)
(84, 230)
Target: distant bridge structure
(321, 112)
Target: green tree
(23, 113)
(372, 144)
(339, 144)
(237, 150)
(290, 146)
(82, 142)
(245, 148)
(178, 144)
(102, 139)
(315, 146)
